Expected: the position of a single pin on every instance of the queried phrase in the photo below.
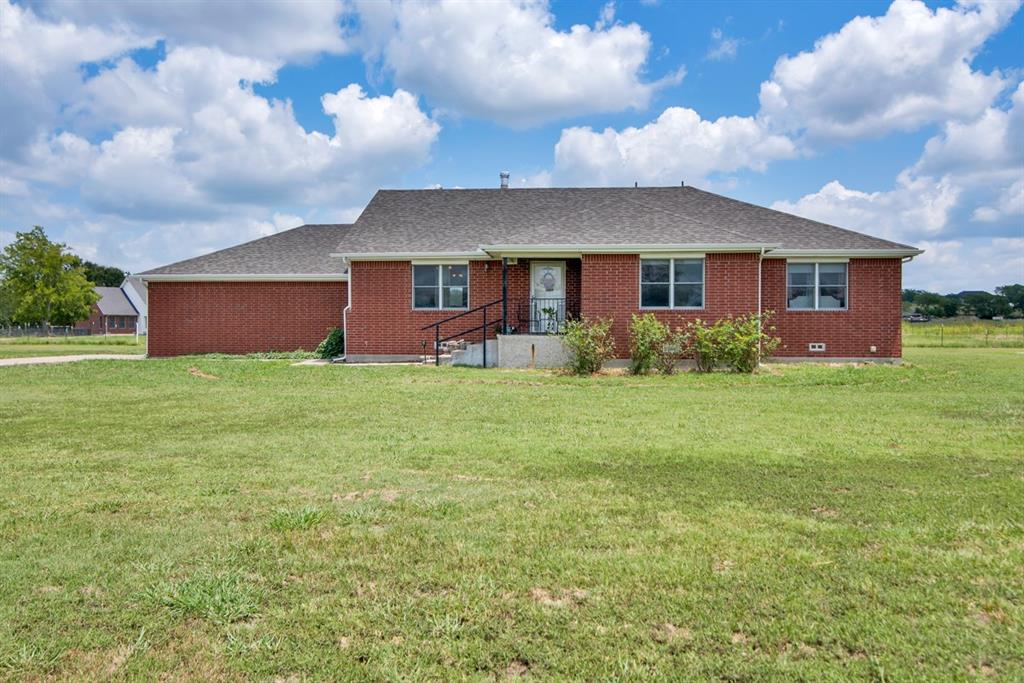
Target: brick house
(112, 314)
(420, 267)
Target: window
(440, 286)
(671, 283)
(816, 286)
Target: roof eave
(243, 277)
(895, 252)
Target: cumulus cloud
(679, 145)
(506, 61)
(914, 208)
(40, 63)
(899, 71)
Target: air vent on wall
(816, 346)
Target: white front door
(547, 296)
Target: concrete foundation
(531, 351)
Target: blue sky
(142, 133)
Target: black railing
(543, 315)
(500, 321)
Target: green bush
(590, 345)
(672, 350)
(740, 343)
(333, 346)
(647, 336)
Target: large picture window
(816, 286)
(440, 286)
(671, 283)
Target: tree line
(43, 282)
(1008, 300)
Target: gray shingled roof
(114, 302)
(417, 221)
(301, 251)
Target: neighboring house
(112, 314)
(135, 289)
(529, 259)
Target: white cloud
(265, 30)
(955, 265)
(722, 46)
(679, 145)
(505, 60)
(39, 63)
(895, 72)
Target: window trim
(440, 286)
(816, 285)
(672, 283)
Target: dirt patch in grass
(387, 495)
(669, 633)
(196, 372)
(565, 597)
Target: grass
(27, 347)
(965, 334)
(259, 520)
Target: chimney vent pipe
(504, 179)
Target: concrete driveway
(45, 360)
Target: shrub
(333, 346)
(741, 343)
(590, 344)
(647, 336)
(671, 352)
(747, 343)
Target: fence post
(940, 335)
(987, 343)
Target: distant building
(115, 312)
(135, 289)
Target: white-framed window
(816, 286)
(672, 283)
(440, 286)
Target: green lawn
(27, 347)
(217, 519)
(964, 334)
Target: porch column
(504, 295)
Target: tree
(985, 305)
(45, 280)
(1014, 294)
(936, 305)
(102, 276)
(7, 304)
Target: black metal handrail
(437, 329)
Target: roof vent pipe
(504, 180)
(682, 183)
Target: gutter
(244, 277)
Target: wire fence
(966, 334)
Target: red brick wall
(241, 317)
(382, 321)
(611, 288)
(872, 317)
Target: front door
(547, 296)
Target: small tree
(705, 344)
(747, 342)
(45, 280)
(647, 336)
(102, 276)
(590, 344)
(671, 352)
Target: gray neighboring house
(112, 314)
(135, 290)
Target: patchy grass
(965, 334)
(386, 523)
(29, 347)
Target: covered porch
(539, 294)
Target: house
(112, 314)
(420, 268)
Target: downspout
(760, 267)
(344, 315)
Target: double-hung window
(440, 286)
(816, 286)
(672, 283)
